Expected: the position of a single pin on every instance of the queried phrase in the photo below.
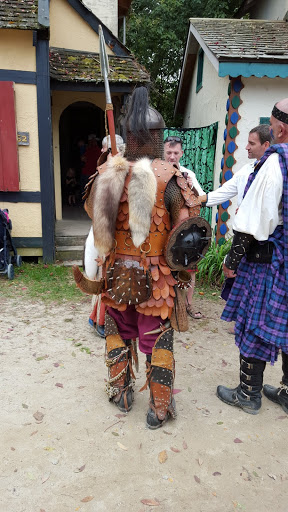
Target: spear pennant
(105, 70)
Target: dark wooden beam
(45, 148)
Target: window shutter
(200, 69)
(9, 169)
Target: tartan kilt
(258, 304)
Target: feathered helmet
(143, 126)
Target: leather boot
(161, 379)
(279, 395)
(247, 395)
(119, 362)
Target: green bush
(210, 267)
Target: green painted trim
(230, 161)
(264, 120)
(235, 102)
(233, 132)
(258, 69)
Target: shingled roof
(75, 66)
(19, 14)
(251, 40)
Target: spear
(105, 70)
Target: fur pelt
(107, 197)
(142, 191)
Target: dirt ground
(65, 448)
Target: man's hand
(197, 201)
(189, 181)
(203, 198)
(228, 273)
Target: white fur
(110, 186)
(90, 255)
(142, 191)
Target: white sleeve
(260, 211)
(228, 190)
(196, 185)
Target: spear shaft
(104, 66)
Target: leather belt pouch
(128, 283)
(260, 252)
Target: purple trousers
(132, 324)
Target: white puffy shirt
(260, 211)
(234, 186)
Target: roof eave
(111, 40)
(248, 68)
(193, 34)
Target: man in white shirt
(173, 153)
(259, 258)
(258, 141)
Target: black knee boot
(279, 395)
(247, 395)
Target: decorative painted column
(229, 147)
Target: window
(200, 70)
(9, 171)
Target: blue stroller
(7, 247)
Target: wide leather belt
(155, 246)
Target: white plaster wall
(258, 96)
(270, 9)
(106, 11)
(204, 108)
(26, 119)
(18, 53)
(17, 50)
(26, 219)
(69, 30)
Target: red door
(9, 169)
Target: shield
(187, 243)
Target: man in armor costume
(259, 257)
(134, 202)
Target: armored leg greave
(247, 395)
(279, 395)
(119, 362)
(160, 376)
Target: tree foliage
(156, 34)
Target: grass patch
(207, 291)
(55, 283)
(210, 270)
(44, 282)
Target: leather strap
(114, 341)
(163, 358)
(154, 247)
